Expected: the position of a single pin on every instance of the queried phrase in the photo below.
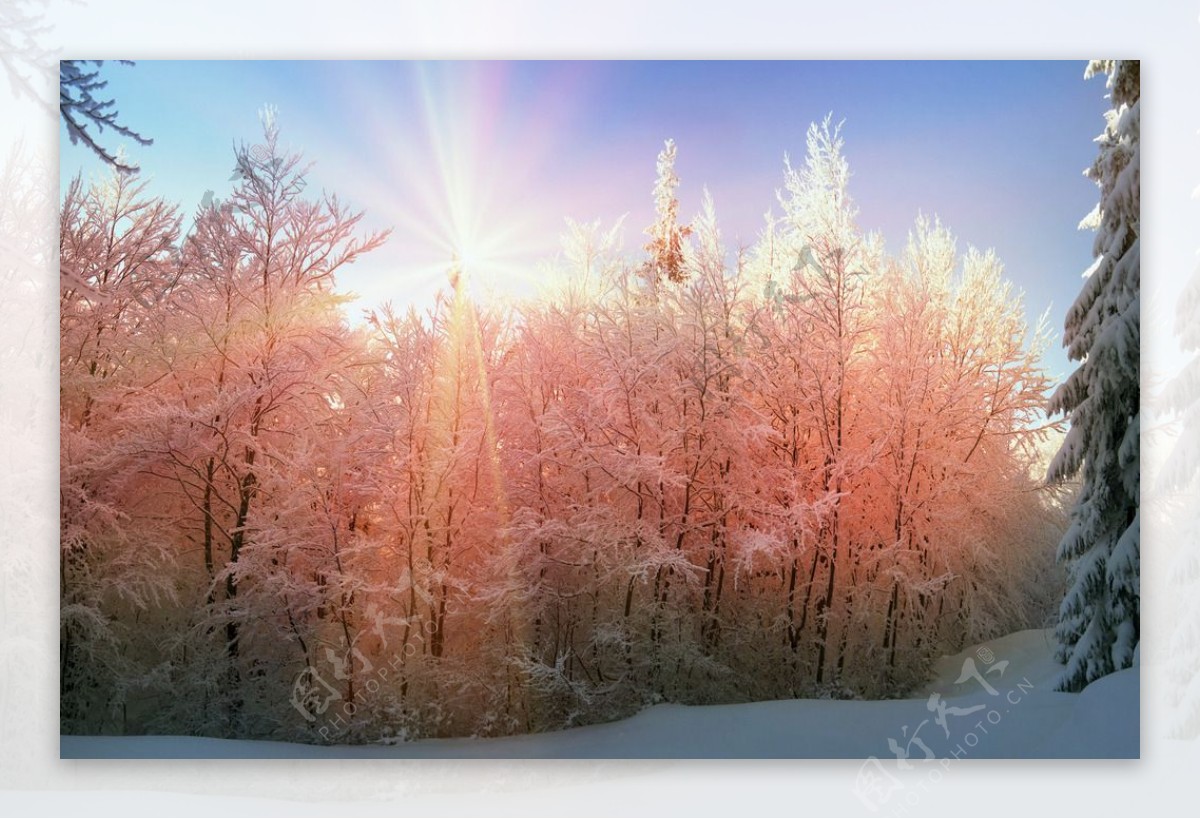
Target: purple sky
(502, 152)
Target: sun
(475, 248)
(470, 252)
(455, 184)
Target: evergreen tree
(1099, 619)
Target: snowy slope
(1023, 718)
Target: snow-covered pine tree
(1098, 626)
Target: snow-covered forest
(682, 472)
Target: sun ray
(456, 186)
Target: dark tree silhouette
(81, 108)
(24, 57)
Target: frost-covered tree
(116, 250)
(1098, 627)
(799, 470)
(833, 264)
(199, 379)
(666, 234)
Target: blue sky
(505, 151)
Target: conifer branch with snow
(1099, 621)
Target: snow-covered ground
(1004, 706)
